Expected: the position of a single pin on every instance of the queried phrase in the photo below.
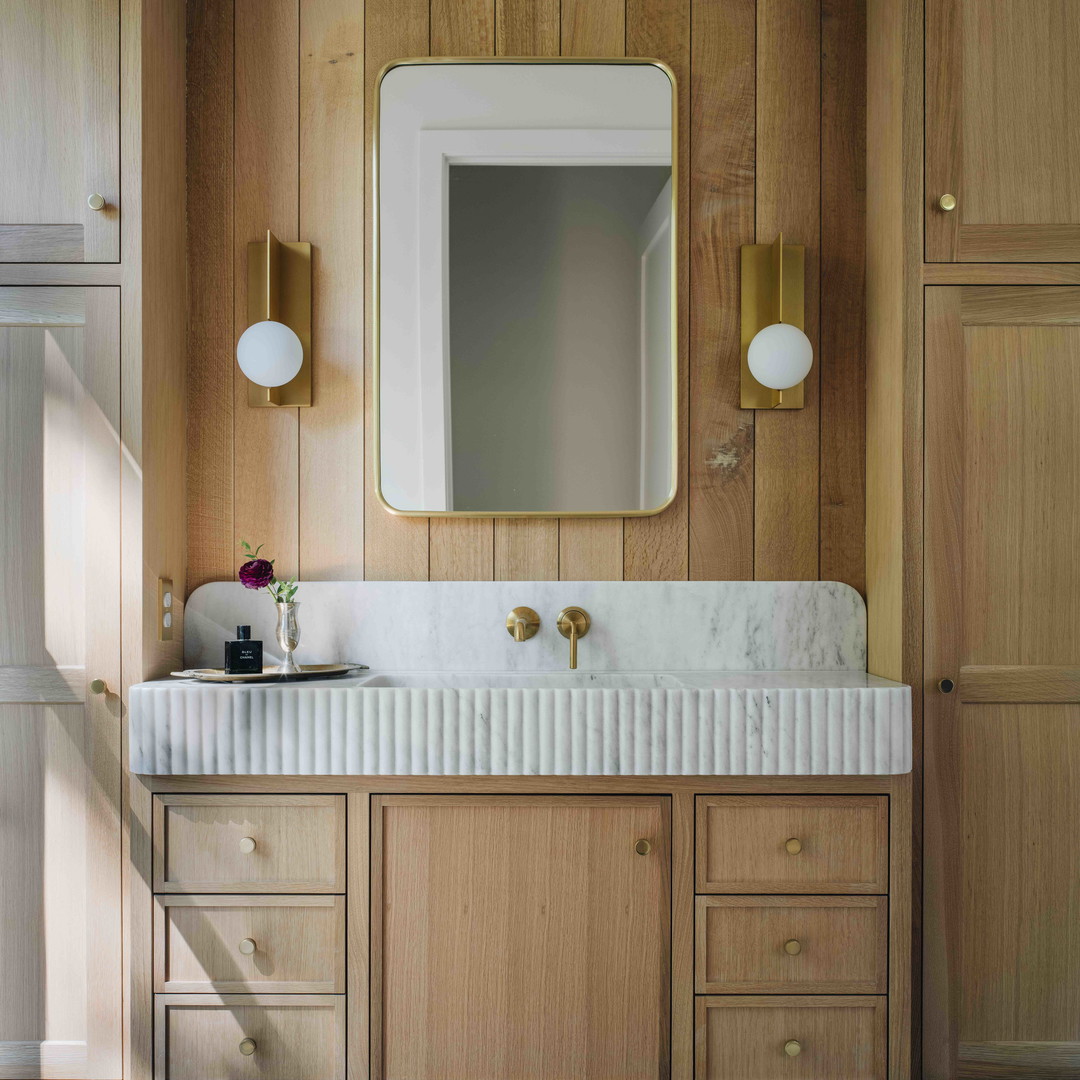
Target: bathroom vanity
(690, 857)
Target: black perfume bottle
(243, 656)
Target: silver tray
(270, 673)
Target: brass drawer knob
(643, 847)
(792, 1048)
(793, 846)
(247, 1047)
(98, 686)
(793, 947)
(247, 946)
(947, 202)
(95, 201)
(946, 686)
(247, 845)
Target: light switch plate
(166, 605)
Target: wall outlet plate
(166, 604)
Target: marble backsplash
(460, 625)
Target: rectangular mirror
(525, 337)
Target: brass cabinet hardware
(247, 1047)
(793, 947)
(792, 1048)
(522, 623)
(574, 624)
(247, 946)
(95, 201)
(947, 202)
(793, 846)
(247, 845)
(643, 847)
(99, 686)
(946, 686)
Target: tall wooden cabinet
(973, 485)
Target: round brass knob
(247, 845)
(793, 947)
(96, 202)
(793, 846)
(98, 686)
(792, 1048)
(643, 847)
(247, 1047)
(247, 946)
(946, 686)
(947, 202)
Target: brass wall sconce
(776, 354)
(274, 352)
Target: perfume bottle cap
(243, 633)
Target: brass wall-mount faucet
(522, 623)
(574, 624)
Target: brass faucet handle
(573, 623)
(522, 623)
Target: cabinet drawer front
(249, 843)
(250, 944)
(792, 843)
(199, 1037)
(792, 944)
(791, 1038)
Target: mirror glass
(525, 361)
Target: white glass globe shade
(780, 356)
(269, 353)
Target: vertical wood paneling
(527, 549)
(210, 539)
(462, 549)
(722, 123)
(395, 548)
(591, 549)
(265, 196)
(841, 357)
(657, 548)
(331, 149)
(788, 200)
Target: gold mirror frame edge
(375, 410)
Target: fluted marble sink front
(719, 707)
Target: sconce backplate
(280, 289)
(765, 267)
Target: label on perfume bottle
(243, 657)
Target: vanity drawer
(249, 944)
(249, 843)
(791, 1038)
(792, 844)
(200, 1037)
(792, 944)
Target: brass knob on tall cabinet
(96, 201)
(793, 846)
(946, 686)
(947, 202)
(792, 1048)
(247, 845)
(98, 686)
(643, 847)
(247, 1047)
(247, 946)
(793, 947)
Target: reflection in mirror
(525, 361)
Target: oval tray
(270, 673)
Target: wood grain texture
(211, 544)
(525, 907)
(462, 27)
(722, 143)
(395, 548)
(358, 934)
(1022, 683)
(331, 434)
(683, 821)
(1001, 274)
(527, 27)
(657, 548)
(786, 444)
(742, 945)
(593, 28)
(842, 372)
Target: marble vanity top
(755, 678)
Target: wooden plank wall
(772, 115)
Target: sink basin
(553, 680)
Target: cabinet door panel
(60, 130)
(1002, 903)
(1002, 97)
(520, 937)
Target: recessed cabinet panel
(60, 131)
(1002, 97)
(520, 937)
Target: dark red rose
(256, 574)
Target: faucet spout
(522, 623)
(519, 628)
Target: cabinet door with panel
(60, 769)
(60, 131)
(1002, 734)
(1002, 139)
(523, 937)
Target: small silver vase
(288, 637)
